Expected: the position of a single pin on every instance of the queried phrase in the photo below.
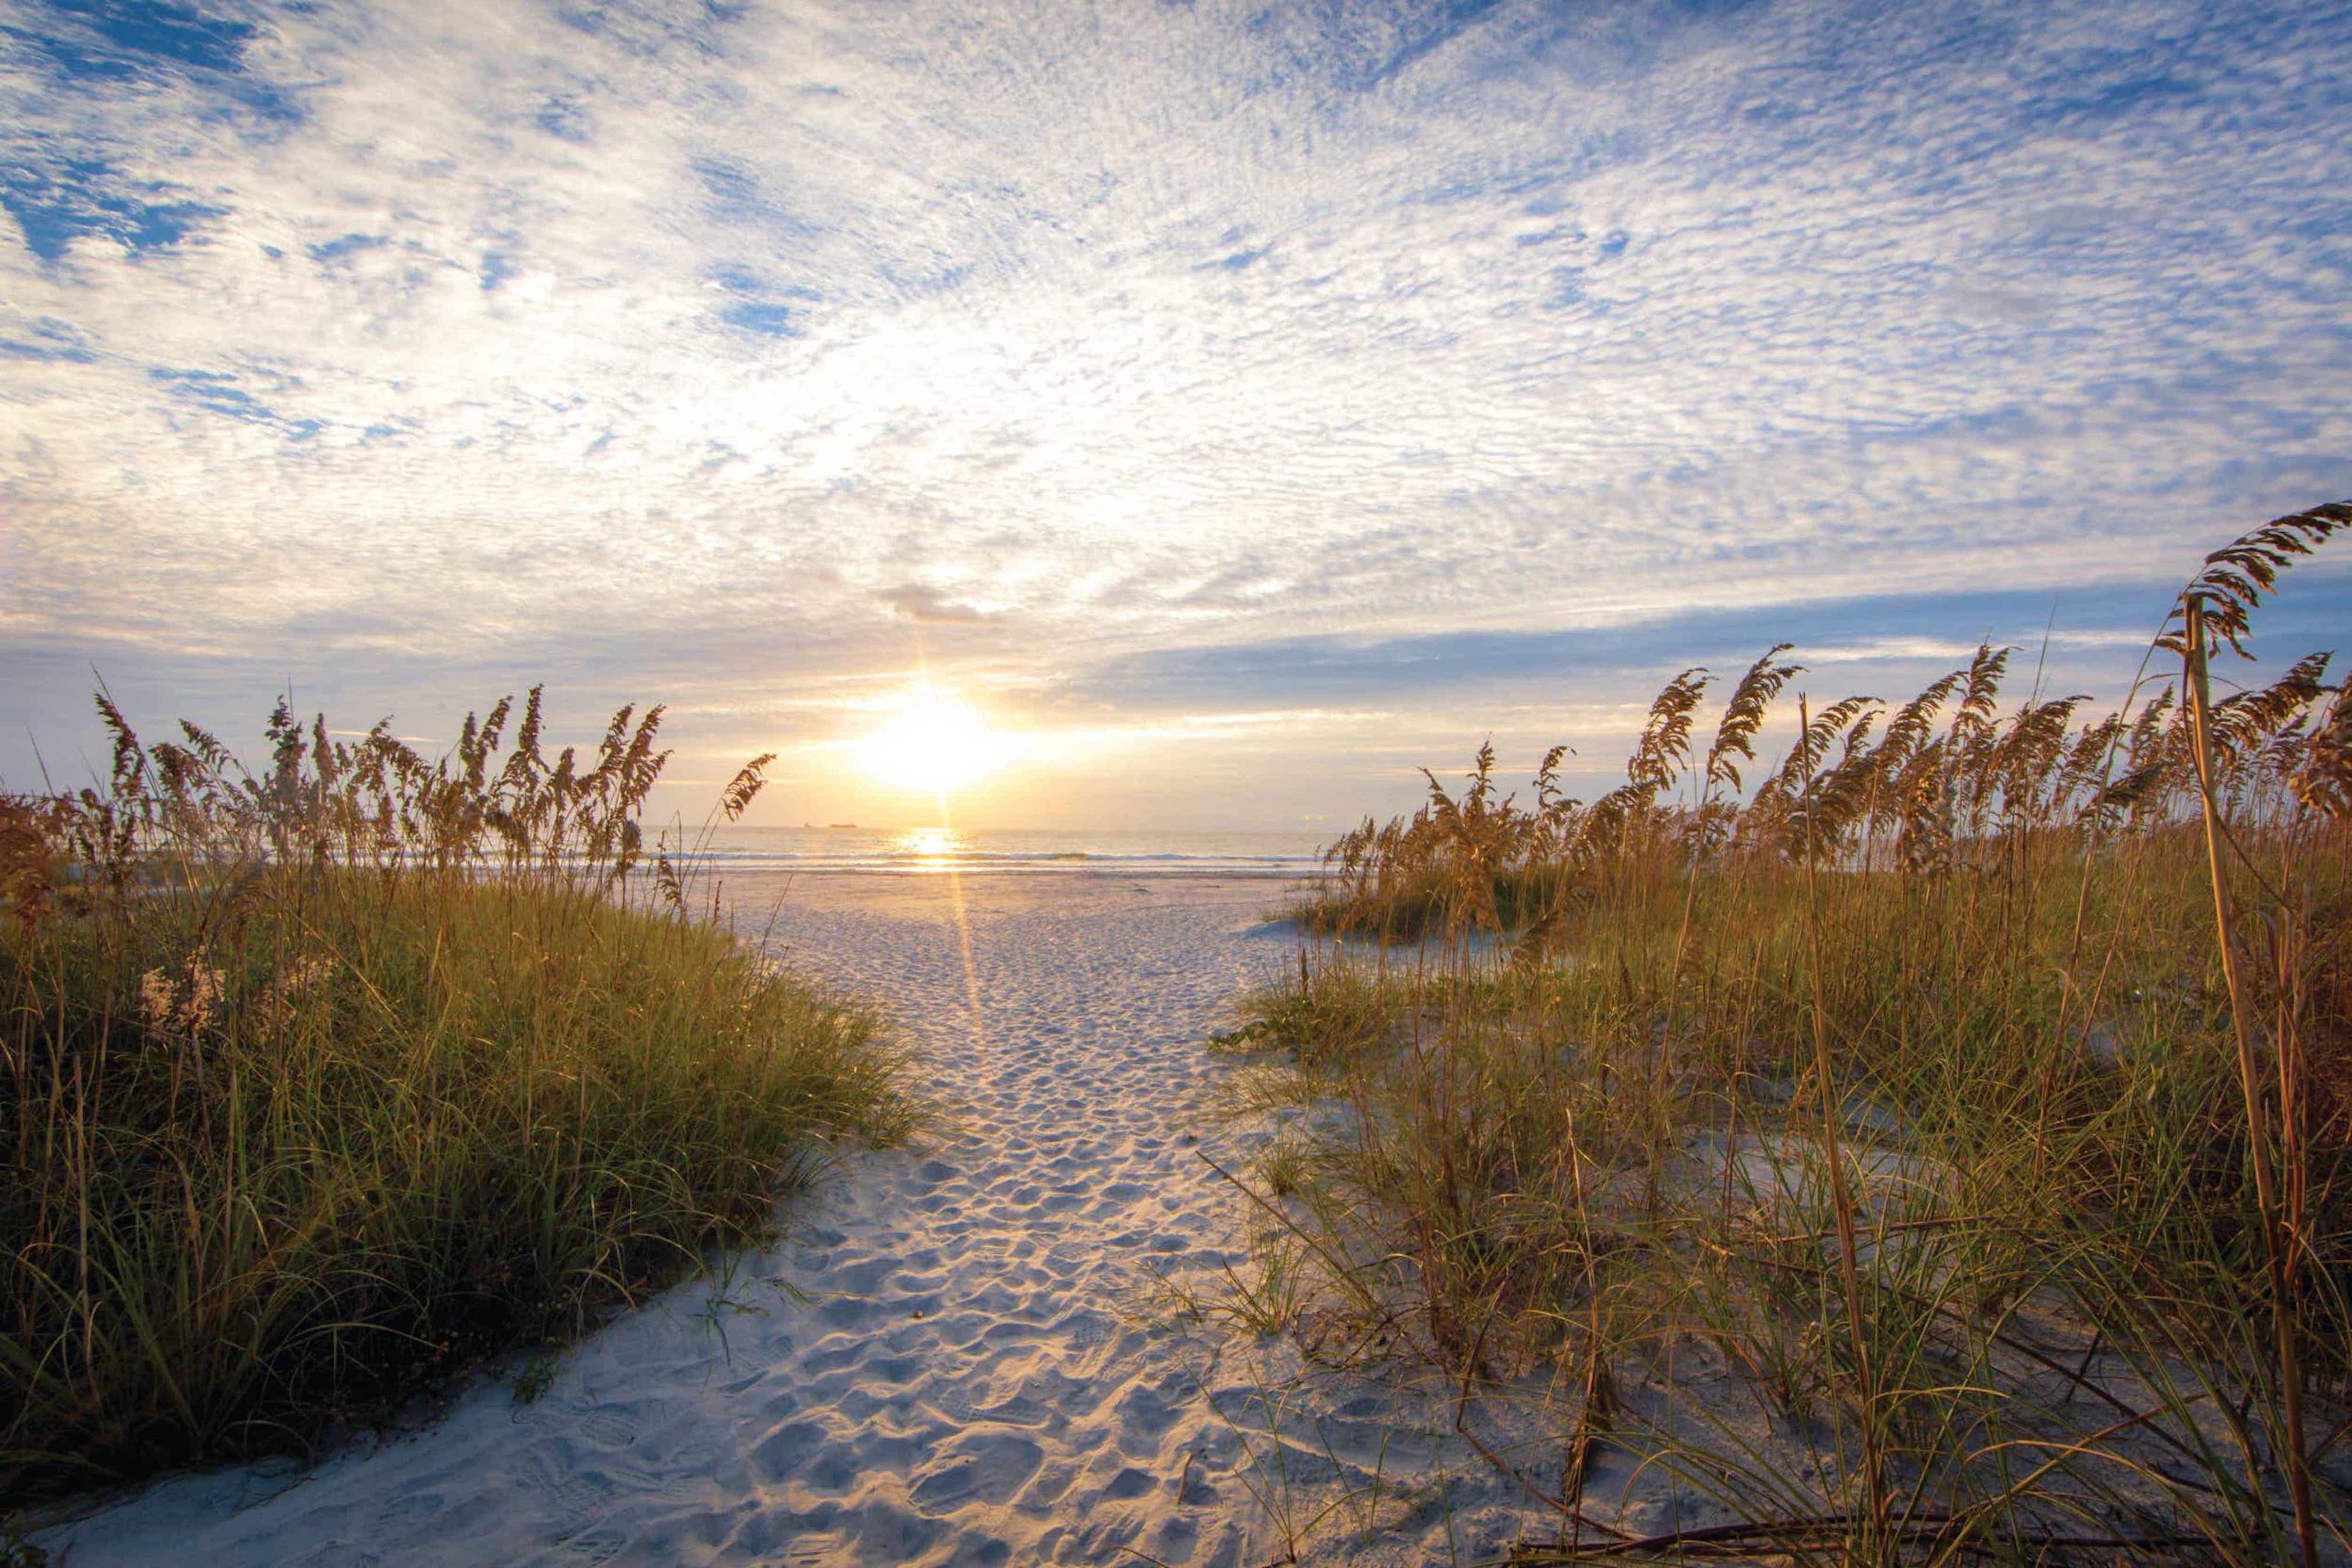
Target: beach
(1220, 784)
(958, 1352)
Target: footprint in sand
(957, 1384)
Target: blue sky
(1249, 400)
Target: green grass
(285, 1140)
(1531, 1175)
(1922, 1101)
(1435, 902)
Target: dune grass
(1937, 1149)
(321, 1084)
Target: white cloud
(1065, 334)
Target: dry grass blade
(1743, 715)
(2237, 576)
(319, 1083)
(1977, 1091)
(2323, 781)
(1665, 747)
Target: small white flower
(159, 1000)
(168, 1005)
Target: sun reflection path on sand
(941, 850)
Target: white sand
(977, 1377)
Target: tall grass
(1963, 1103)
(318, 1085)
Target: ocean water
(925, 851)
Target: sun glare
(931, 843)
(934, 742)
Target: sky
(1239, 404)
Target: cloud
(111, 41)
(2096, 632)
(927, 605)
(1222, 333)
(56, 202)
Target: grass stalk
(1873, 1477)
(324, 1087)
(2283, 1330)
(2048, 1174)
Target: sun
(935, 742)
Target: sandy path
(971, 1380)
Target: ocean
(924, 851)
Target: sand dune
(949, 1360)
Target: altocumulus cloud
(1109, 336)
